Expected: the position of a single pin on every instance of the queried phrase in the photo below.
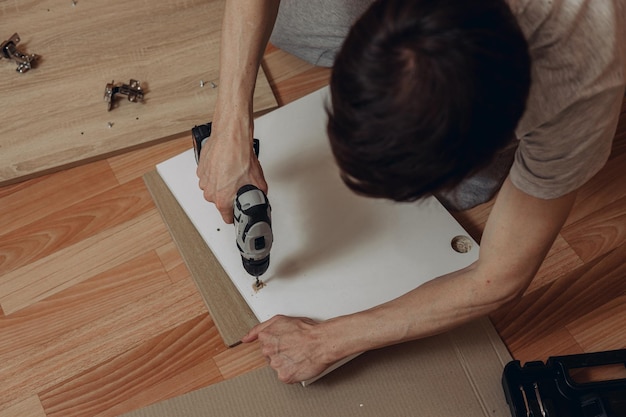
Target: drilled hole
(461, 244)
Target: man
(426, 97)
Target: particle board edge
(232, 316)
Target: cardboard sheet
(54, 115)
(454, 374)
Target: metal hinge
(8, 49)
(132, 90)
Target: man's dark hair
(425, 92)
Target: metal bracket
(8, 50)
(132, 90)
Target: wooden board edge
(231, 314)
(264, 102)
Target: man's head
(424, 92)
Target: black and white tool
(252, 216)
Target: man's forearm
(246, 28)
(433, 308)
(227, 161)
(518, 235)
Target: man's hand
(294, 347)
(227, 162)
(519, 233)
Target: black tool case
(547, 390)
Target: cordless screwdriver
(251, 213)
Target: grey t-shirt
(315, 29)
(578, 50)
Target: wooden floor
(100, 315)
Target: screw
(110, 124)
(213, 85)
(201, 83)
(73, 3)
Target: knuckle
(262, 336)
(285, 377)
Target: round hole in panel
(461, 244)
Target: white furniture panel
(334, 252)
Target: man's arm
(227, 161)
(517, 237)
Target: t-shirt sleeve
(562, 154)
(578, 63)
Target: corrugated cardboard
(454, 374)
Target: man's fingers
(225, 209)
(250, 337)
(253, 334)
(227, 215)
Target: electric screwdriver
(251, 213)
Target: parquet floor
(99, 315)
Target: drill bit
(258, 283)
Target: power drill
(252, 216)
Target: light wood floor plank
(13, 188)
(29, 407)
(54, 273)
(605, 188)
(131, 165)
(53, 194)
(114, 387)
(170, 257)
(81, 304)
(560, 260)
(602, 329)
(43, 366)
(593, 236)
(582, 291)
(179, 273)
(240, 359)
(555, 342)
(75, 223)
